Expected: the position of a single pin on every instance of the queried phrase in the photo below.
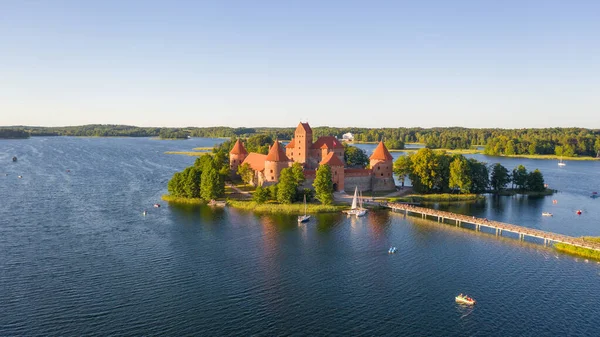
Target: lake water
(78, 258)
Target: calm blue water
(78, 258)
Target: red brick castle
(325, 151)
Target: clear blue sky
(478, 63)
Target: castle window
(272, 178)
(382, 174)
(335, 173)
(271, 172)
(378, 167)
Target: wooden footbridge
(498, 227)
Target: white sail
(355, 199)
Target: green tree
(535, 181)
(273, 191)
(480, 176)
(403, 167)
(298, 174)
(204, 160)
(324, 185)
(192, 182)
(355, 157)
(424, 170)
(246, 173)
(519, 177)
(261, 195)
(211, 185)
(287, 187)
(460, 175)
(510, 148)
(500, 177)
(394, 144)
(176, 185)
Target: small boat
(144, 213)
(20, 177)
(546, 214)
(392, 250)
(217, 203)
(360, 211)
(464, 299)
(14, 159)
(305, 217)
(561, 163)
(579, 212)
(156, 205)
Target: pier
(495, 226)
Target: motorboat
(561, 163)
(144, 213)
(546, 214)
(305, 217)
(392, 250)
(20, 177)
(464, 299)
(579, 212)
(14, 158)
(156, 205)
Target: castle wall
(383, 184)
(362, 181)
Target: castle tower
(275, 162)
(302, 143)
(337, 170)
(381, 168)
(237, 156)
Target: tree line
(289, 187)
(438, 172)
(566, 142)
(6, 133)
(205, 179)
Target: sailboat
(354, 208)
(357, 207)
(361, 211)
(560, 162)
(305, 217)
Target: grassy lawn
(579, 251)
(548, 156)
(272, 207)
(178, 200)
(444, 197)
(187, 153)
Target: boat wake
(468, 313)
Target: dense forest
(566, 142)
(438, 172)
(13, 134)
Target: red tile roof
(332, 160)
(256, 161)
(238, 148)
(328, 142)
(303, 127)
(290, 145)
(277, 153)
(381, 153)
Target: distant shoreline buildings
(327, 150)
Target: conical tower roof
(332, 159)
(238, 148)
(381, 153)
(277, 153)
